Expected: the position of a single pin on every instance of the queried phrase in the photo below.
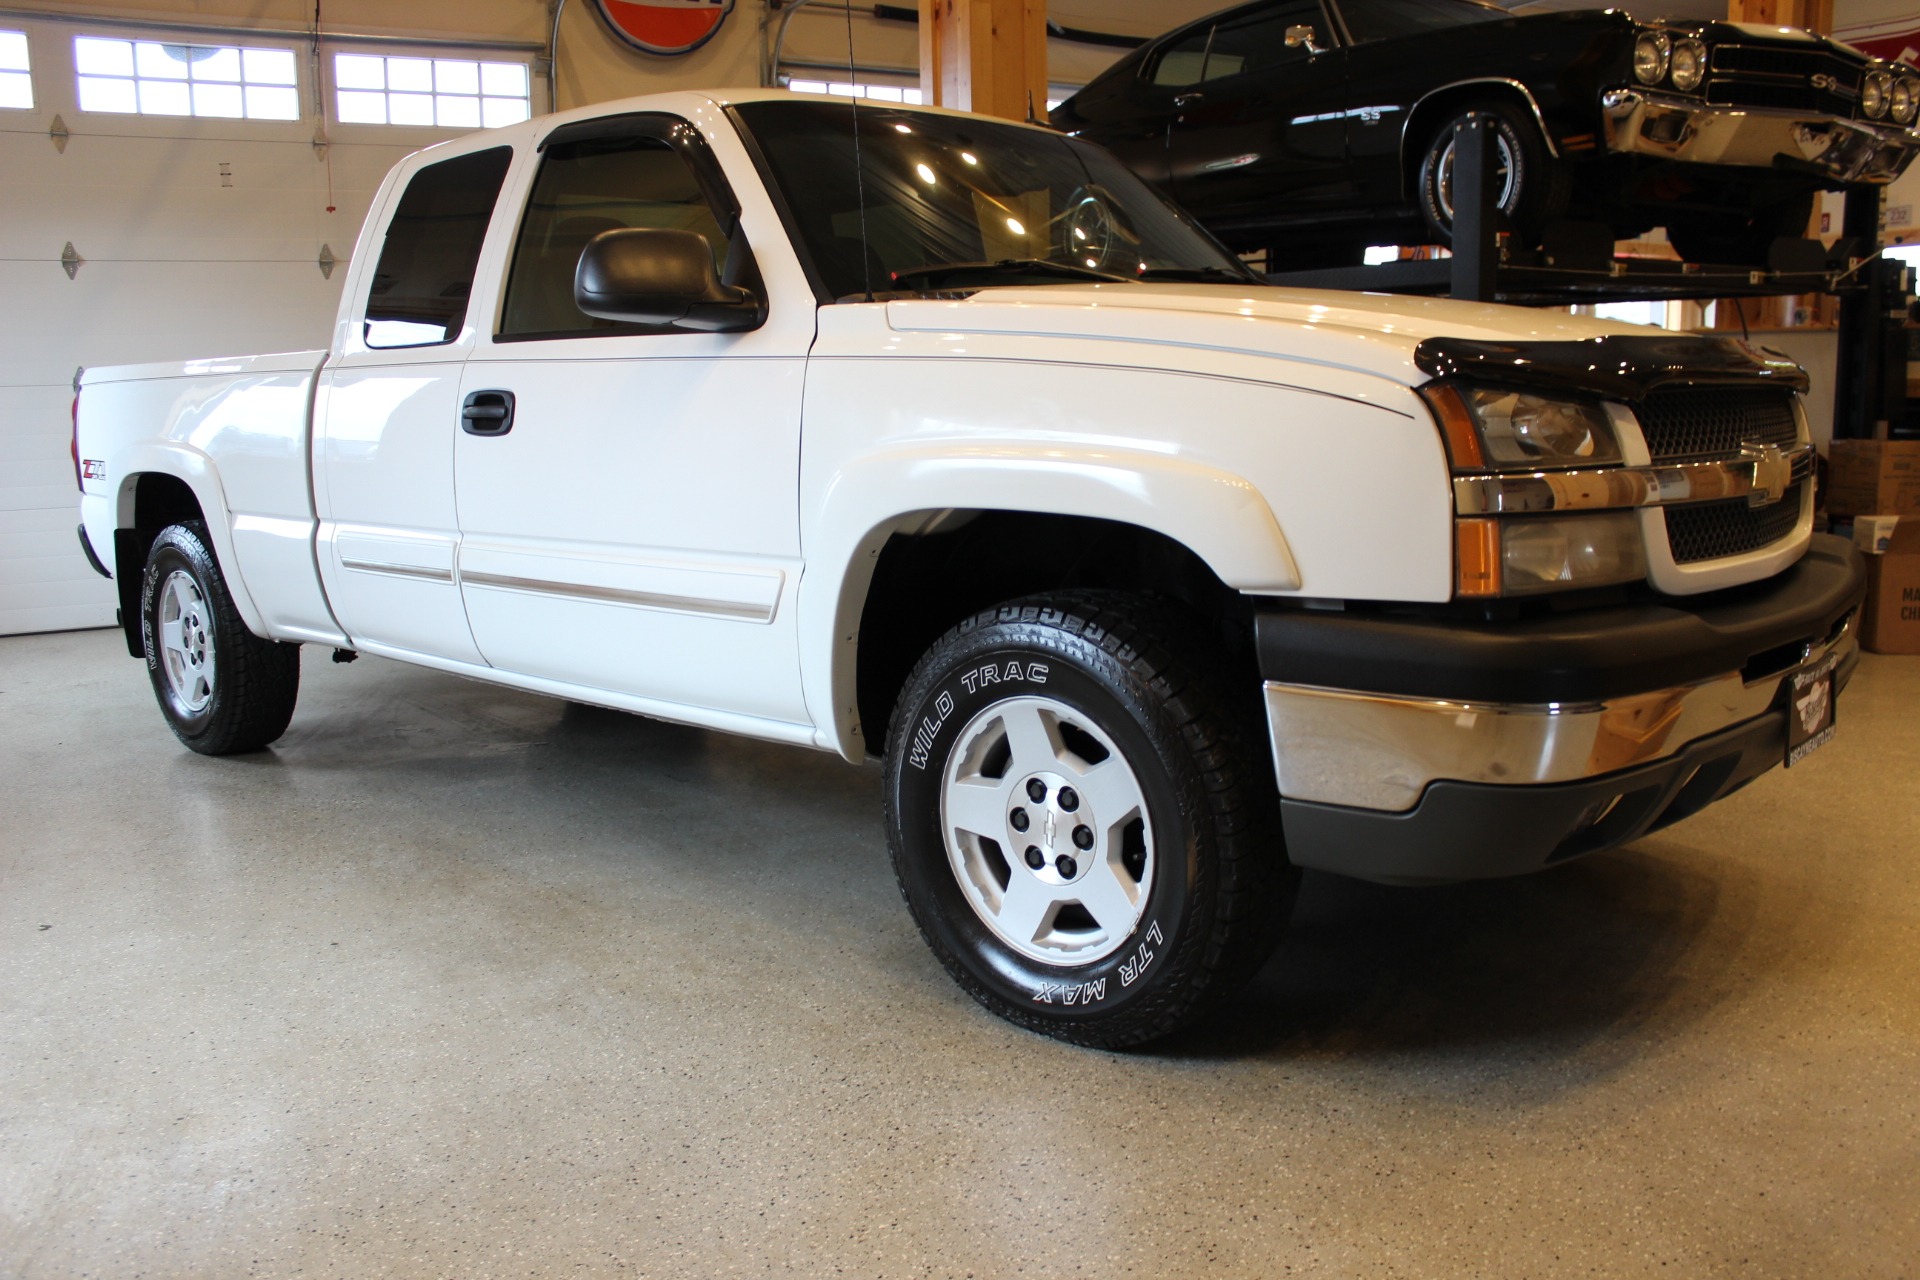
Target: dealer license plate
(1810, 709)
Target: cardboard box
(1892, 623)
(1873, 533)
(1873, 477)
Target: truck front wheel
(222, 689)
(1080, 822)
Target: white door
(388, 411)
(636, 529)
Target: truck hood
(1366, 333)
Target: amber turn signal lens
(1477, 558)
(1456, 426)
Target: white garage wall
(198, 238)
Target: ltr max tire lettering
(1080, 821)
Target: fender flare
(1222, 518)
(195, 470)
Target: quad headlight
(1498, 430)
(1688, 63)
(1903, 99)
(1650, 55)
(1874, 92)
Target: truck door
(634, 525)
(387, 412)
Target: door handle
(1187, 99)
(487, 413)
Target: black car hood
(1621, 367)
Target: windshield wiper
(963, 275)
(1221, 274)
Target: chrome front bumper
(1381, 753)
(1685, 129)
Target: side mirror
(643, 275)
(1297, 36)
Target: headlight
(1689, 61)
(1873, 94)
(1492, 429)
(1650, 53)
(1531, 554)
(1904, 98)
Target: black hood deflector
(1616, 368)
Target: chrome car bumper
(1370, 751)
(1415, 748)
(1679, 128)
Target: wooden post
(1814, 15)
(988, 56)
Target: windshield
(945, 190)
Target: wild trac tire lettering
(928, 731)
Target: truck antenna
(859, 172)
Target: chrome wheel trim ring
(1086, 826)
(1503, 176)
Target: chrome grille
(1716, 530)
(1694, 423)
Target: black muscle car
(1306, 127)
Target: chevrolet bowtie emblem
(1772, 472)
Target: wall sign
(665, 27)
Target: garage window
(16, 82)
(878, 92)
(144, 77)
(448, 93)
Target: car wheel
(1081, 820)
(1530, 186)
(1729, 241)
(222, 689)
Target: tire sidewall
(1007, 660)
(177, 549)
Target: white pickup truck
(906, 433)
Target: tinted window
(583, 189)
(1385, 19)
(1185, 62)
(1239, 47)
(943, 190)
(420, 287)
(1253, 44)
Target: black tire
(1729, 241)
(1530, 188)
(222, 689)
(1204, 878)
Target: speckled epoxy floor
(459, 982)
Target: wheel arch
(1425, 115)
(161, 485)
(929, 542)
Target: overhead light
(1014, 225)
(926, 174)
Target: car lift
(1577, 266)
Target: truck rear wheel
(222, 689)
(1080, 821)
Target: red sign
(1902, 46)
(665, 27)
